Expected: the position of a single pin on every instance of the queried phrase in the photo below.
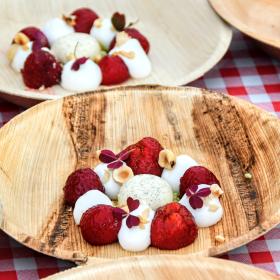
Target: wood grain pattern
(42, 146)
(183, 48)
(258, 19)
(166, 267)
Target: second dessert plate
(43, 145)
(187, 39)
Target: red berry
(114, 70)
(79, 182)
(134, 33)
(41, 69)
(173, 227)
(37, 36)
(197, 175)
(143, 158)
(84, 19)
(99, 225)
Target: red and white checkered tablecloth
(246, 72)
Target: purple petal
(188, 193)
(125, 155)
(115, 165)
(118, 21)
(132, 221)
(196, 202)
(193, 188)
(107, 156)
(203, 192)
(132, 204)
(76, 65)
(119, 213)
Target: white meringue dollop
(136, 239)
(205, 217)
(88, 200)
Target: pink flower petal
(76, 65)
(132, 221)
(203, 192)
(115, 164)
(132, 204)
(196, 202)
(107, 156)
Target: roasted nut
(219, 238)
(216, 190)
(21, 39)
(98, 23)
(166, 159)
(122, 174)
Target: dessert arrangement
(80, 52)
(144, 196)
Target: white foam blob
(56, 28)
(136, 239)
(203, 216)
(140, 65)
(173, 176)
(88, 77)
(21, 56)
(112, 188)
(88, 200)
(105, 33)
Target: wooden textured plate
(187, 38)
(42, 146)
(166, 267)
(258, 19)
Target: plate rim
(241, 26)
(188, 260)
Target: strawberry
(79, 182)
(84, 19)
(143, 158)
(35, 35)
(197, 175)
(114, 70)
(100, 226)
(41, 69)
(173, 227)
(134, 33)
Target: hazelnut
(98, 23)
(166, 159)
(70, 20)
(129, 55)
(122, 174)
(21, 39)
(219, 238)
(216, 190)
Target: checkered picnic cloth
(246, 72)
